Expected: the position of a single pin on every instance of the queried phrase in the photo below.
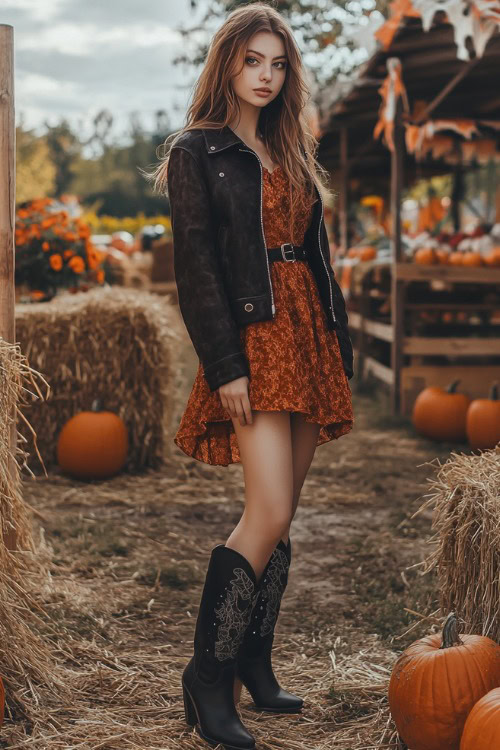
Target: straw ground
(126, 560)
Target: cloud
(73, 58)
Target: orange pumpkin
(482, 728)
(436, 682)
(93, 444)
(483, 420)
(368, 252)
(456, 258)
(470, 258)
(352, 252)
(425, 256)
(492, 258)
(440, 414)
(443, 256)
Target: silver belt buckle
(283, 251)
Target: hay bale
(466, 499)
(111, 343)
(27, 664)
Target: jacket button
(212, 148)
(221, 174)
(248, 306)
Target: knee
(275, 524)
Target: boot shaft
(229, 594)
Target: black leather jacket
(220, 259)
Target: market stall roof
(429, 62)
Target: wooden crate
(163, 261)
(475, 380)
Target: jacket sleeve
(203, 302)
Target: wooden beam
(374, 328)
(397, 285)
(461, 274)
(344, 190)
(451, 346)
(444, 92)
(7, 217)
(380, 371)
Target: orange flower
(45, 245)
(77, 264)
(70, 236)
(100, 276)
(68, 253)
(37, 294)
(56, 262)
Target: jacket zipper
(323, 258)
(273, 308)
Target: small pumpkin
(471, 258)
(456, 258)
(425, 256)
(483, 420)
(443, 256)
(482, 728)
(492, 258)
(93, 444)
(368, 252)
(440, 414)
(435, 683)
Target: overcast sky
(75, 57)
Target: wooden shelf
(460, 274)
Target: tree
(35, 171)
(324, 29)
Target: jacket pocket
(250, 309)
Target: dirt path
(129, 559)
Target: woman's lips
(262, 93)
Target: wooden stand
(470, 351)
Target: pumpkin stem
(450, 632)
(96, 405)
(494, 391)
(452, 387)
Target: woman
(268, 322)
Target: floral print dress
(294, 359)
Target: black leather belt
(287, 252)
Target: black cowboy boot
(228, 597)
(253, 665)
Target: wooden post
(344, 190)
(397, 285)
(7, 210)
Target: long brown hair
(284, 123)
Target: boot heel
(189, 710)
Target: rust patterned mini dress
(294, 359)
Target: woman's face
(264, 66)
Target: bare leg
(304, 442)
(266, 455)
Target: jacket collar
(217, 140)
(221, 138)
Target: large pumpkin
(483, 420)
(436, 682)
(93, 444)
(440, 414)
(482, 728)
